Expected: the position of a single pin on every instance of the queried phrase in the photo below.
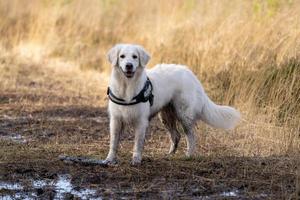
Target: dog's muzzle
(129, 73)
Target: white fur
(178, 96)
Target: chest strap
(143, 96)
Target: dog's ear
(113, 54)
(143, 55)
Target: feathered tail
(218, 116)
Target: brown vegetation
(53, 77)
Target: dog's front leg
(140, 131)
(115, 125)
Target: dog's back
(178, 85)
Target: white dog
(173, 91)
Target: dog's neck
(127, 88)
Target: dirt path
(41, 119)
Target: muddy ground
(34, 132)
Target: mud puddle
(62, 188)
(16, 138)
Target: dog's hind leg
(188, 128)
(168, 117)
(185, 116)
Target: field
(53, 79)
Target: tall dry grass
(246, 53)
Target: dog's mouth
(129, 74)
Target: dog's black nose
(129, 66)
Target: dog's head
(128, 58)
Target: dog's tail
(218, 116)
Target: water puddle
(16, 187)
(64, 185)
(17, 138)
(39, 183)
(233, 193)
(62, 188)
(10, 186)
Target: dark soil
(34, 132)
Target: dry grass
(245, 52)
(53, 72)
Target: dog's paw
(135, 164)
(136, 161)
(109, 162)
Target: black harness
(143, 96)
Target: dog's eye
(134, 56)
(122, 56)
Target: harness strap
(143, 96)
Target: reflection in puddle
(64, 185)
